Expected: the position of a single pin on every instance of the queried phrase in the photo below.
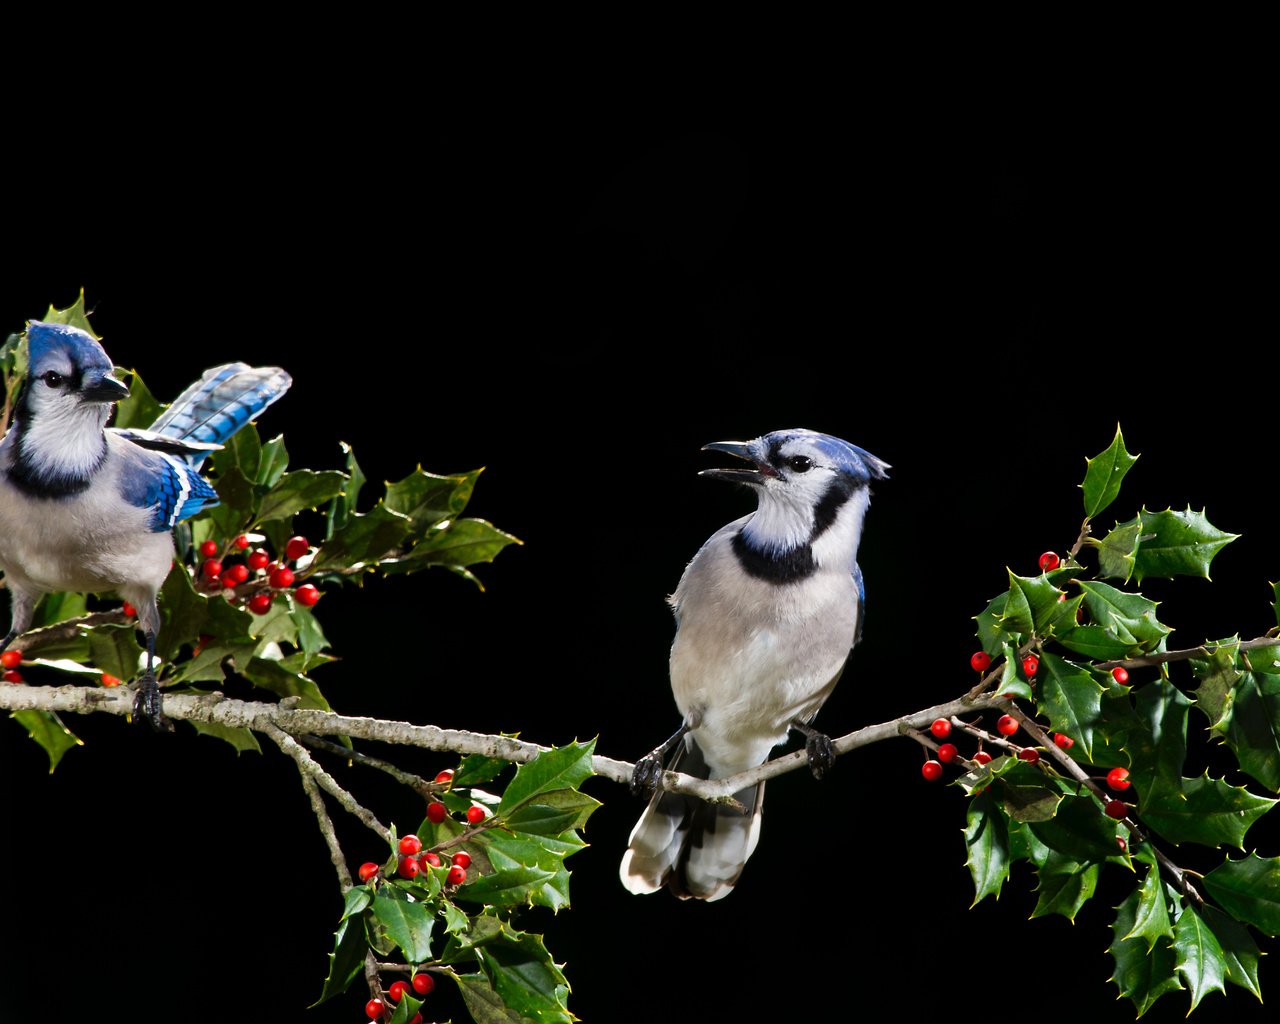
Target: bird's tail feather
(222, 401)
(694, 848)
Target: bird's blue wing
(222, 401)
(862, 602)
(165, 484)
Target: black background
(579, 305)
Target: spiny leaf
(1250, 725)
(483, 1003)
(408, 924)
(1078, 830)
(1065, 885)
(1158, 745)
(564, 767)
(1151, 913)
(1010, 681)
(1131, 618)
(1177, 544)
(1142, 974)
(992, 634)
(1218, 676)
(454, 544)
(1200, 958)
(140, 409)
(986, 836)
(524, 975)
(1249, 890)
(1207, 811)
(299, 490)
(74, 315)
(1239, 951)
(1104, 474)
(46, 728)
(1071, 698)
(346, 960)
(240, 738)
(1118, 549)
(427, 499)
(1096, 642)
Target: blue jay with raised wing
(84, 507)
(766, 615)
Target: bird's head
(67, 368)
(804, 479)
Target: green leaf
(207, 666)
(58, 608)
(1024, 794)
(1096, 642)
(115, 649)
(1142, 973)
(552, 813)
(524, 975)
(1177, 544)
(239, 502)
(1071, 698)
(273, 460)
(186, 615)
(408, 924)
(242, 451)
(140, 409)
(1250, 726)
(475, 769)
(1079, 830)
(1010, 681)
(46, 728)
(992, 635)
(1239, 951)
(242, 739)
(405, 1010)
(344, 505)
(564, 767)
(455, 921)
(1035, 601)
(1218, 676)
(357, 898)
(1017, 617)
(273, 676)
(1249, 890)
(75, 315)
(1159, 747)
(506, 888)
(1151, 914)
(1065, 885)
(454, 544)
(1207, 811)
(427, 499)
(363, 539)
(1200, 958)
(1103, 475)
(483, 1003)
(299, 490)
(1117, 551)
(1131, 618)
(310, 637)
(346, 960)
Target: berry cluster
(421, 983)
(255, 580)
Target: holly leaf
(408, 924)
(427, 499)
(1239, 951)
(1071, 698)
(992, 634)
(273, 460)
(346, 960)
(1036, 601)
(1142, 973)
(1117, 551)
(115, 649)
(364, 539)
(299, 490)
(454, 544)
(1151, 913)
(140, 409)
(1177, 544)
(475, 769)
(241, 739)
(1249, 890)
(1200, 958)
(1024, 794)
(1130, 618)
(1078, 830)
(483, 1002)
(510, 887)
(1104, 474)
(46, 728)
(1218, 675)
(1158, 746)
(522, 972)
(1010, 681)
(344, 504)
(1250, 725)
(1206, 811)
(986, 836)
(564, 767)
(1064, 886)
(553, 813)
(1095, 642)
(272, 675)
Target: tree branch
(326, 829)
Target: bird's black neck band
(788, 566)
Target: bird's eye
(800, 463)
(52, 378)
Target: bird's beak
(741, 450)
(102, 387)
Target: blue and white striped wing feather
(222, 401)
(168, 486)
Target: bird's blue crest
(44, 339)
(853, 460)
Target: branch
(326, 830)
(417, 783)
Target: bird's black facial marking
(774, 567)
(824, 513)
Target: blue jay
(87, 508)
(766, 615)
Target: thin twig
(417, 783)
(326, 829)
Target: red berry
(931, 770)
(208, 549)
(981, 757)
(436, 812)
(397, 990)
(212, 568)
(1122, 844)
(296, 548)
(129, 609)
(1117, 809)
(11, 659)
(947, 753)
(1029, 754)
(258, 560)
(1065, 742)
(1030, 665)
(463, 860)
(423, 983)
(1007, 725)
(981, 661)
(941, 728)
(1120, 676)
(282, 577)
(1118, 778)
(373, 1009)
(306, 595)
(242, 542)
(475, 814)
(458, 875)
(445, 776)
(228, 579)
(260, 604)
(109, 680)
(432, 858)
(417, 1019)
(367, 870)
(410, 845)
(409, 867)
(1048, 561)
(239, 572)
(12, 676)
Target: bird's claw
(822, 755)
(147, 704)
(647, 773)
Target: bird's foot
(647, 774)
(822, 755)
(147, 704)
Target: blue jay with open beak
(88, 508)
(767, 613)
